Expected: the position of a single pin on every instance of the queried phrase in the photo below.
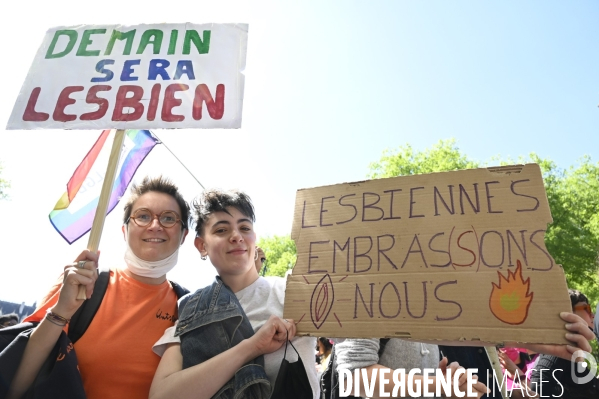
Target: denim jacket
(211, 320)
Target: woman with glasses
(115, 354)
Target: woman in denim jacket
(229, 341)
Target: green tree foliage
(573, 195)
(573, 237)
(4, 185)
(280, 254)
(443, 157)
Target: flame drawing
(510, 300)
(322, 301)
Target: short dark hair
(577, 297)
(216, 200)
(8, 317)
(159, 185)
(326, 343)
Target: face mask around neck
(146, 268)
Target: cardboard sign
(135, 77)
(453, 256)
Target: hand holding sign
(77, 281)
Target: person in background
(261, 258)
(556, 373)
(324, 347)
(517, 363)
(115, 354)
(581, 307)
(577, 332)
(230, 338)
(9, 319)
(396, 354)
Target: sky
(328, 86)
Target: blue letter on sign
(184, 67)
(108, 74)
(158, 67)
(128, 70)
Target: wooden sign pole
(494, 360)
(100, 216)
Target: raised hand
(83, 271)
(508, 365)
(478, 387)
(579, 334)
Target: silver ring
(286, 320)
(81, 264)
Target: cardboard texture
(452, 256)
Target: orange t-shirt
(115, 353)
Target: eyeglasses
(144, 217)
(584, 306)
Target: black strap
(382, 343)
(179, 290)
(85, 314)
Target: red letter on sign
(92, 98)
(123, 101)
(170, 102)
(215, 109)
(30, 114)
(154, 97)
(63, 101)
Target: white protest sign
(135, 77)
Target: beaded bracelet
(56, 319)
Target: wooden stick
(494, 359)
(100, 216)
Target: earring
(204, 257)
(256, 254)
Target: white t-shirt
(259, 301)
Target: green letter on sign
(155, 35)
(72, 39)
(116, 35)
(86, 41)
(203, 46)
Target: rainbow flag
(74, 212)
